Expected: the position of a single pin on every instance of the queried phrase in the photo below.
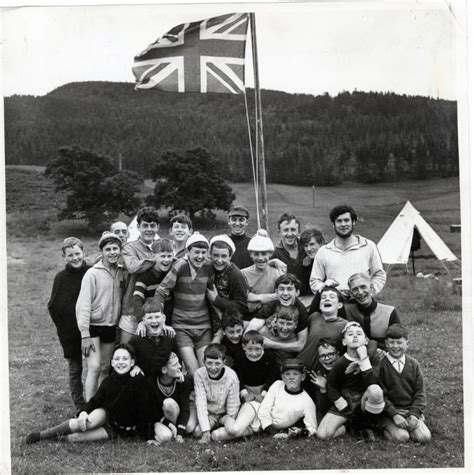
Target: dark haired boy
(287, 289)
(401, 379)
(180, 228)
(62, 308)
(346, 254)
(138, 257)
(230, 335)
(238, 220)
(216, 388)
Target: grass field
(39, 393)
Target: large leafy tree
(193, 181)
(95, 189)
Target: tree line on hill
(309, 140)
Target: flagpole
(259, 145)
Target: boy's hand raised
(87, 346)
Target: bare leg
(125, 337)
(421, 433)
(106, 352)
(162, 433)
(238, 427)
(190, 360)
(171, 410)
(88, 436)
(329, 426)
(93, 370)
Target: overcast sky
(405, 47)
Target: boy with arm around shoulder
(402, 381)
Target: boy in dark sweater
(62, 308)
(351, 385)
(401, 379)
(230, 335)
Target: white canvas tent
(394, 247)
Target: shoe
(33, 437)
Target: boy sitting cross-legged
(287, 410)
(188, 279)
(351, 385)
(402, 381)
(216, 388)
(257, 371)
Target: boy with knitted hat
(351, 385)
(188, 279)
(260, 276)
(402, 382)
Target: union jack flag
(203, 56)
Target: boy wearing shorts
(188, 279)
(62, 308)
(98, 311)
(351, 385)
(401, 379)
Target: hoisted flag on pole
(203, 56)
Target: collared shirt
(397, 363)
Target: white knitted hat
(196, 237)
(224, 239)
(261, 242)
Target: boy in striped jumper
(402, 382)
(188, 279)
(216, 388)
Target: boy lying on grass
(111, 413)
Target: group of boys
(235, 310)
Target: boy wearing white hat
(260, 276)
(188, 279)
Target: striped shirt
(189, 290)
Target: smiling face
(327, 355)
(122, 361)
(285, 329)
(147, 231)
(253, 351)
(121, 230)
(329, 303)
(311, 248)
(180, 232)
(354, 337)
(289, 232)
(164, 260)
(287, 294)
(238, 225)
(173, 367)
(260, 258)
(213, 366)
(292, 378)
(343, 225)
(396, 347)
(154, 323)
(234, 334)
(360, 289)
(111, 253)
(197, 256)
(220, 257)
(74, 256)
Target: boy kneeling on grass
(216, 388)
(402, 382)
(351, 385)
(111, 413)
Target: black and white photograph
(235, 237)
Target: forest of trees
(309, 140)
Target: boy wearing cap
(238, 220)
(287, 403)
(229, 289)
(351, 386)
(188, 279)
(98, 310)
(260, 276)
(138, 257)
(402, 381)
